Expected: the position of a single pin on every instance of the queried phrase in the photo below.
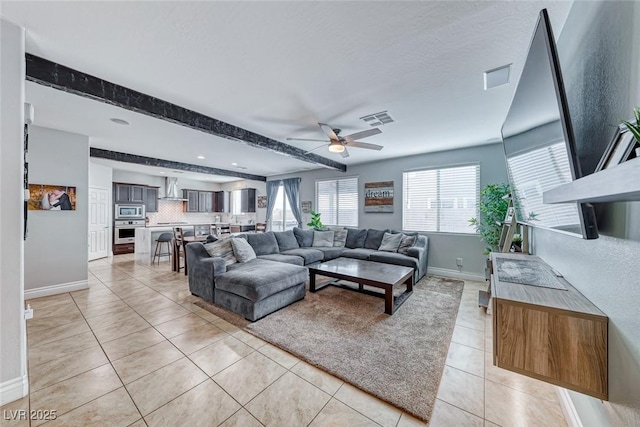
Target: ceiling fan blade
(328, 130)
(363, 134)
(320, 146)
(359, 144)
(306, 139)
(345, 153)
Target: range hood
(171, 190)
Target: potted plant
(315, 222)
(634, 128)
(516, 243)
(493, 209)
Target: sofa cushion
(406, 242)
(263, 243)
(261, 278)
(374, 238)
(339, 236)
(304, 237)
(390, 242)
(355, 238)
(323, 239)
(358, 253)
(223, 249)
(310, 255)
(289, 259)
(242, 250)
(330, 253)
(394, 258)
(286, 240)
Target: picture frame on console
(619, 149)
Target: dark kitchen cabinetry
(205, 201)
(220, 201)
(191, 205)
(126, 193)
(151, 199)
(248, 200)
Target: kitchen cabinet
(151, 199)
(220, 201)
(126, 193)
(192, 203)
(205, 201)
(248, 200)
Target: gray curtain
(292, 190)
(272, 193)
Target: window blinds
(337, 201)
(441, 200)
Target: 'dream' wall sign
(378, 197)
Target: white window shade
(441, 200)
(337, 201)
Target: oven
(129, 212)
(125, 231)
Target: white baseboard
(14, 389)
(569, 410)
(46, 291)
(455, 274)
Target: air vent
(497, 77)
(378, 119)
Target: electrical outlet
(459, 262)
(28, 313)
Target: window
(236, 202)
(282, 218)
(337, 201)
(440, 199)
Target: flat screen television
(539, 143)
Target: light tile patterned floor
(133, 350)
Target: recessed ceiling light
(178, 172)
(162, 173)
(234, 164)
(119, 121)
(240, 167)
(201, 157)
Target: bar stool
(177, 248)
(261, 227)
(163, 238)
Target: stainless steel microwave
(129, 212)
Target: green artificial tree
(493, 209)
(315, 222)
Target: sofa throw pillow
(242, 250)
(222, 248)
(339, 236)
(355, 238)
(374, 238)
(263, 243)
(323, 239)
(286, 240)
(390, 242)
(407, 242)
(304, 237)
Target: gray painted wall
(159, 181)
(56, 249)
(599, 51)
(12, 333)
(444, 248)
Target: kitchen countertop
(195, 223)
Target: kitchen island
(145, 243)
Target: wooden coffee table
(376, 274)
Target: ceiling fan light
(336, 147)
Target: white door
(98, 223)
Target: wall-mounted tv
(539, 144)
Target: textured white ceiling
(277, 68)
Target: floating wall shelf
(620, 183)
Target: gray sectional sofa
(277, 276)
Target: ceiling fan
(339, 144)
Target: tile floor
(132, 350)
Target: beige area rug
(397, 358)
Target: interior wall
(56, 251)
(599, 48)
(261, 190)
(13, 382)
(159, 181)
(444, 248)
